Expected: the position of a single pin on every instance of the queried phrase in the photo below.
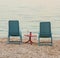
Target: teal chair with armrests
(45, 32)
(14, 30)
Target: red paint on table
(30, 35)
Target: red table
(30, 35)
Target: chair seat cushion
(14, 34)
(45, 35)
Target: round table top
(30, 35)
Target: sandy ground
(25, 50)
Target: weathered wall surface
(29, 13)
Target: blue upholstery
(45, 30)
(14, 29)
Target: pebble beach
(26, 50)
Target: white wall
(31, 24)
(29, 13)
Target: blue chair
(45, 32)
(14, 30)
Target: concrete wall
(29, 13)
(29, 23)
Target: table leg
(29, 40)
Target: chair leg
(39, 41)
(21, 39)
(8, 39)
(20, 36)
(51, 40)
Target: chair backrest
(45, 28)
(14, 28)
